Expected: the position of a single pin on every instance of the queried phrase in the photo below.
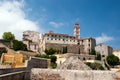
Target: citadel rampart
(54, 74)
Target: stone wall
(71, 48)
(13, 76)
(54, 74)
(36, 63)
(11, 70)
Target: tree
(112, 60)
(53, 58)
(8, 36)
(95, 66)
(93, 52)
(50, 51)
(64, 49)
(19, 45)
(98, 56)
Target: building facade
(31, 39)
(104, 50)
(60, 42)
(88, 44)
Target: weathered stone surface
(54, 74)
(11, 70)
(37, 63)
(71, 48)
(45, 75)
(73, 63)
(117, 76)
(13, 76)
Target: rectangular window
(89, 40)
(89, 45)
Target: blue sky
(99, 19)
(96, 17)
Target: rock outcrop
(73, 63)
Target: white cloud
(55, 24)
(103, 38)
(13, 19)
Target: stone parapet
(57, 74)
(13, 76)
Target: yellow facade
(16, 60)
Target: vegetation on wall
(98, 56)
(50, 51)
(64, 50)
(93, 52)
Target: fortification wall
(71, 48)
(13, 76)
(11, 70)
(54, 74)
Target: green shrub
(95, 66)
(53, 65)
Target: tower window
(89, 40)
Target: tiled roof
(56, 34)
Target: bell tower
(77, 30)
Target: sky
(99, 19)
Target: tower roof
(76, 25)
